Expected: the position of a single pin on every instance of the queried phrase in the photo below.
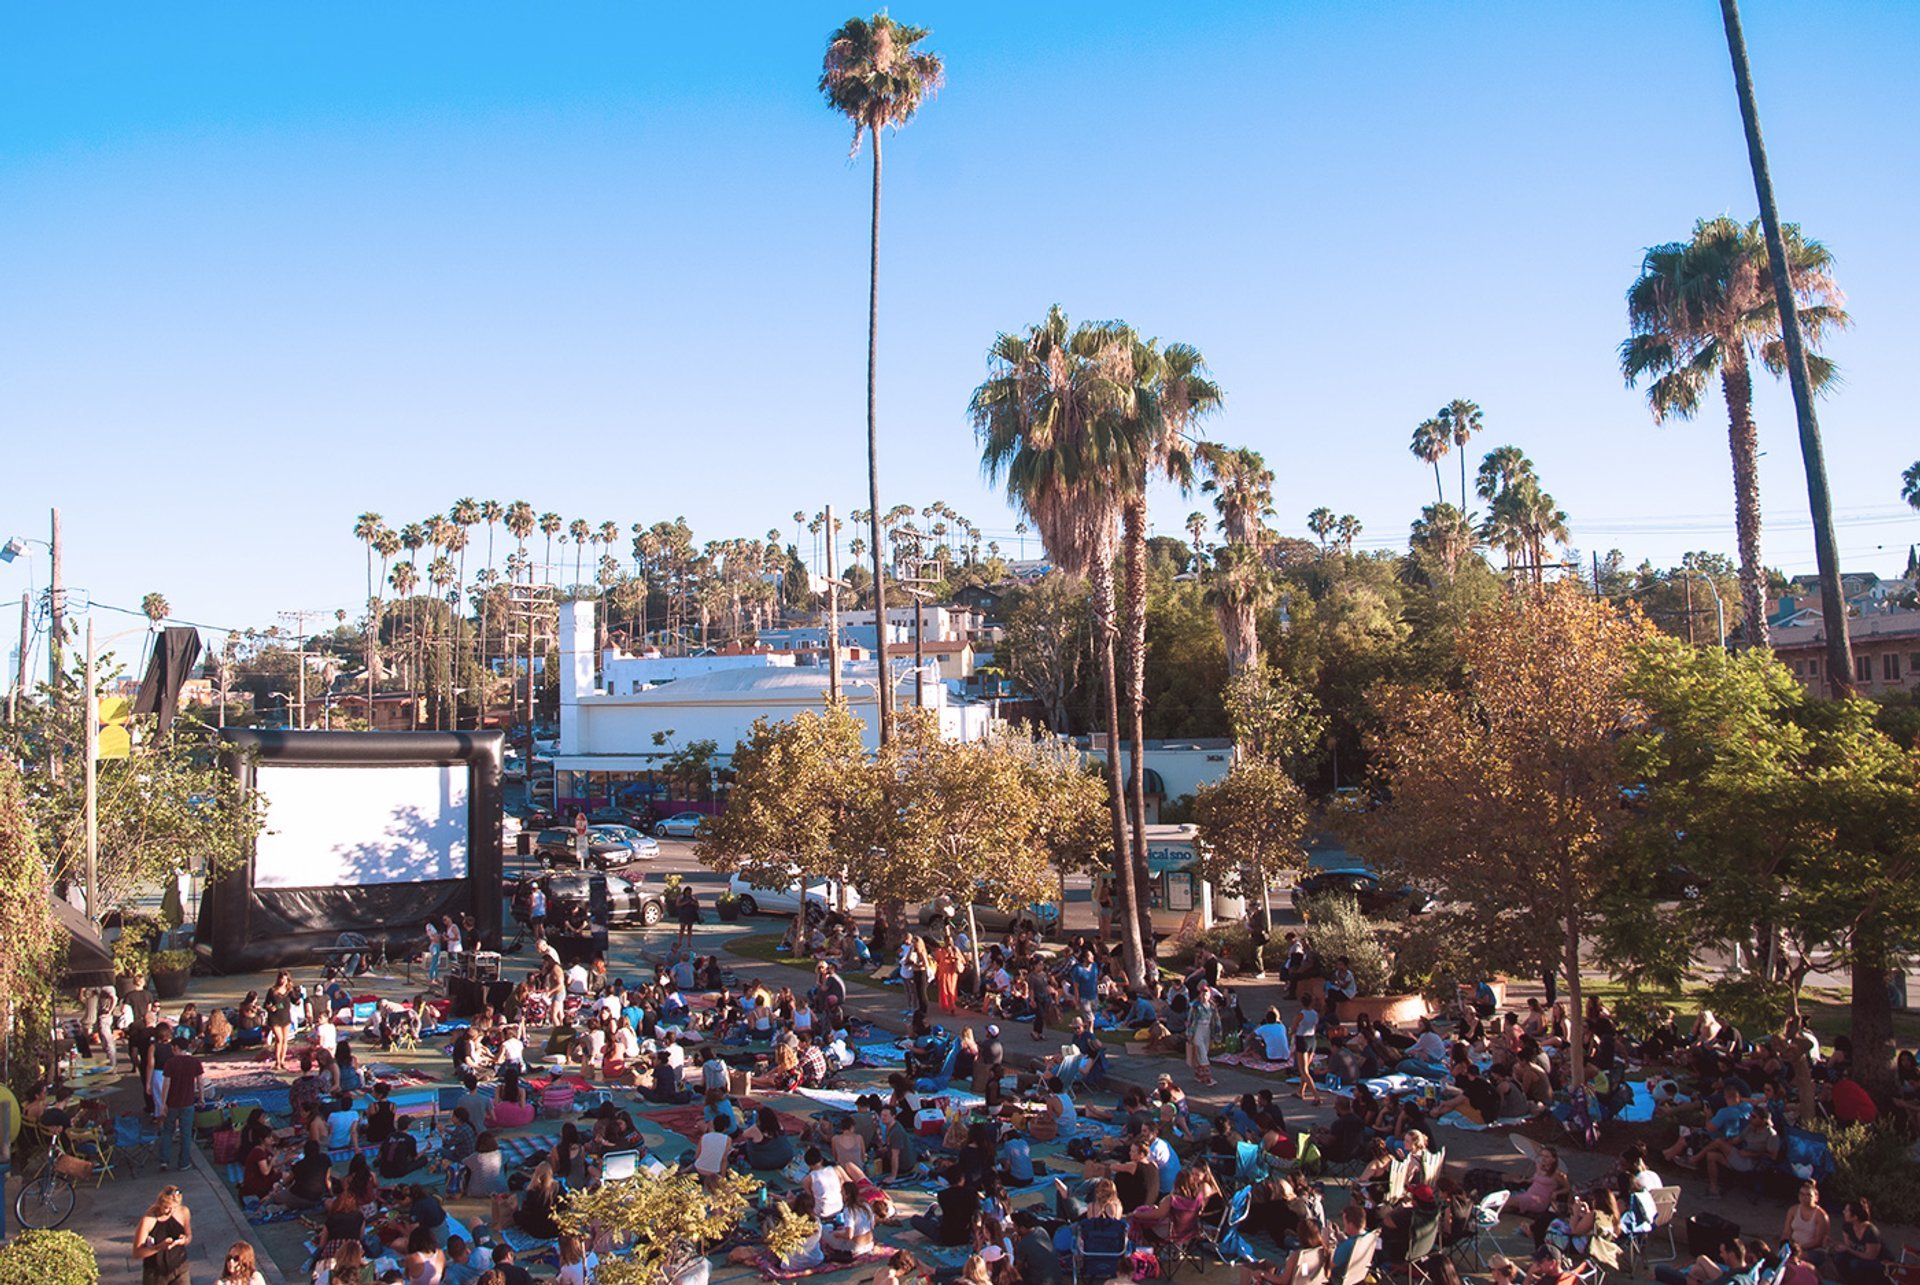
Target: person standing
(433, 952)
(1084, 977)
(161, 1238)
(180, 1093)
(1200, 1019)
(946, 972)
(688, 910)
(1259, 928)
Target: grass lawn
(762, 946)
(1825, 1006)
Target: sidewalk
(107, 1215)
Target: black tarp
(248, 928)
(89, 962)
(175, 652)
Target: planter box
(1400, 1010)
(170, 985)
(729, 911)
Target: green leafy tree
(1801, 815)
(661, 1225)
(801, 804)
(1047, 643)
(1275, 718)
(26, 924)
(1505, 795)
(1249, 826)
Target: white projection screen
(364, 833)
(329, 826)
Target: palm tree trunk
(1125, 894)
(1833, 605)
(885, 703)
(1743, 440)
(1463, 478)
(1439, 495)
(1134, 525)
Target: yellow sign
(113, 728)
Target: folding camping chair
(1223, 1239)
(1100, 1249)
(1482, 1225)
(132, 1142)
(1649, 1213)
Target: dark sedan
(1364, 887)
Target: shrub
(1337, 928)
(1753, 1004)
(171, 961)
(1876, 1162)
(47, 1257)
(133, 948)
(1229, 941)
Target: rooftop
(1888, 624)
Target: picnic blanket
(1252, 1062)
(389, 1074)
(1454, 1120)
(518, 1149)
(521, 1243)
(772, 1271)
(843, 1099)
(879, 1054)
(691, 1121)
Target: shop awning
(89, 962)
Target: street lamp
(1719, 610)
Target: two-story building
(1886, 651)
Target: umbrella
(89, 962)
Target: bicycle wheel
(44, 1204)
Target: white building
(608, 749)
(1173, 768)
(937, 624)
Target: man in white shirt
(676, 1055)
(1160, 1151)
(824, 1181)
(577, 979)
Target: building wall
(624, 675)
(1184, 770)
(1880, 664)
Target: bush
(171, 961)
(48, 1258)
(1229, 941)
(1873, 1161)
(1336, 927)
(133, 948)
(1753, 1004)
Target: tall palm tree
(1431, 442)
(873, 75)
(578, 531)
(1237, 588)
(1461, 420)
(386, 542)
(1521, 515)
(404, 577)
(607, 535)
(550, 524)
(443, 576)
(1171, 393)
(1242, 488)
(155, 607)
(366, 529)
(466, 515)
(1197, 525)
(457, 537)
(1443, 533)
(521, 524)
(1054, 425)
(491, 512)
(413, 537)
(1706, 307)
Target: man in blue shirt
(1084, 977)
(1161, 1153)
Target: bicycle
(48, 1198)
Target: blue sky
(265, 267)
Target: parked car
(1041, 916)
(632, 904)
(538, 819)
(608, 847)
(640, 818)
(822, 896)
(1678, 881)
(681, 825)
(1364, 886)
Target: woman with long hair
(161, 1238)
(240, 1266)
(1306, 1042)
(946, 975)
(280, 1017)
(424, 1263)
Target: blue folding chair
(1100, 1249)
(1224, 1239)
(935, 1083)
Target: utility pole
(833, 616)
(92, 748)
(299, 619)
(56, 605)
(20, 663)
(1826, 550)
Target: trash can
(523, 843)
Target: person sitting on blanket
(899, 1149)
(306, 1184)
(533, 1212)
(813, 1063)
(799, 1261)
(1472, 1096)
(950, 1221)
(399, 1154)
(853, 1238)
(1345, 1138)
